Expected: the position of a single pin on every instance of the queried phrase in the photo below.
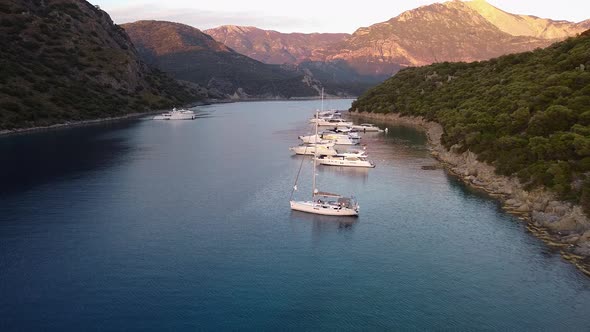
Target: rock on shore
(560, 224)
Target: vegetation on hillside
(528, 114)
(64, 60)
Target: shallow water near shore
(152, 225)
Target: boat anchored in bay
(175, 114)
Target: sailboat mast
(315, 153)
(322, 99)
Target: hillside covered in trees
(65, 60)
(528, 114)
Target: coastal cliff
(560, 224)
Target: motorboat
(340, 139)
(335, 122)
(331, 137)
(176, 114)
(315, 149)
(347, 160)
(326, 115)
(313, 139)
(367, 127)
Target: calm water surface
(147, 225)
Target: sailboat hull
(323, 209)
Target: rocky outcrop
(525, 25)
(450, 31)
(560, 224)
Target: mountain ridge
(273, 47)
(449, 31)
(525, 25)
(189, 54)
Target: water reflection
(37, 158)
(353, 173)
(323, 224)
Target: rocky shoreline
(70, 124)
(561, 225)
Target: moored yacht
(332, 137)
(341, 139)
(333, 123)
(326, 149)
(347, 160)
(175, 114)
(313, 139)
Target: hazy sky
(310, 15)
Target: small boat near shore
(175, 114)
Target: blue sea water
(156, 225)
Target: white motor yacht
(326, 149)
(175, 114)
(346, 159)
(313, 139)
(340, 139)
(334, 123)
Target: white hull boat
(334, 123)
(346, 160)
(313, 139)
(341, 139)
(323, 208)
(313, 149)
(324, 116)
(175, 114)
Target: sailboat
(324, 203)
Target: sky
(310, 15)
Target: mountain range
(450, 31)
(245, 62)
(65, 60)
(188, 54)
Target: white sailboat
(324, 203)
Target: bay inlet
(142, 224)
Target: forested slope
(528, 114)
(65, 60)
